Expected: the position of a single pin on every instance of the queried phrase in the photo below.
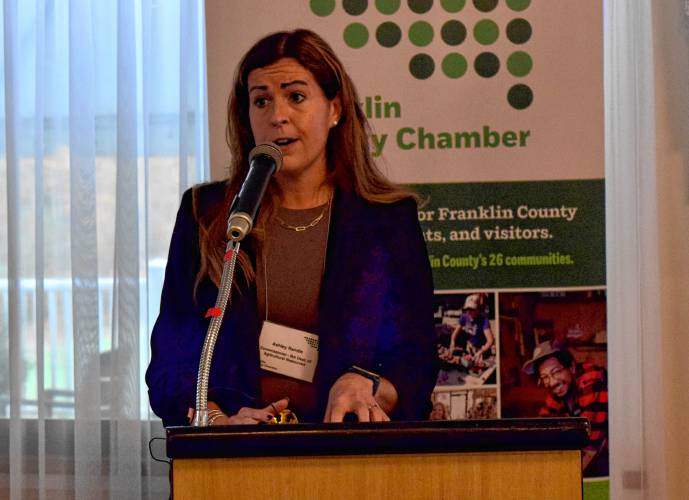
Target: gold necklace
(299, 229)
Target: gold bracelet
(213, 415)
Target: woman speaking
(333, 280)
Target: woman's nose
(280, 114)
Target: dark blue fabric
(375, 312)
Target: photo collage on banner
(492, 110)
(465, 325)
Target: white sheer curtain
(637, 446)
(104, 126)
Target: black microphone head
(264, 160)
(269, 149)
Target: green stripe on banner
(515, 234)
(597, 490)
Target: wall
(220, 70)
(671, 53)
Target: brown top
(288, 280)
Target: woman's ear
(335, 110)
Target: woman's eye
(260, 102)
(297, 97)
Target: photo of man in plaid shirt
(575, 390)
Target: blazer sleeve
(180, 331)
(171, 374)
(405, 352)
(378, 302)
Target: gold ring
(284, 417)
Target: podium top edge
(378, 437)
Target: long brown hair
(348, 154)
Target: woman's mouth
(284, 141)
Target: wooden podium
(528, 459)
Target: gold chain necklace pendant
(299, 229)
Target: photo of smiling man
(574, 390)
(553, 362)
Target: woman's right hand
(253, 415)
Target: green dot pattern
(421, 33)
(355, 35)
(519, 64)
(355, 7)
(518, 5)
(420, 6)
(453, 32)
(387, 6)
(322, 8)
(485, 5)
(518, 31)
(520, 96)
(486, 32)
(454, 65)
(452, 6)
(486, 64)
(421, 66)
(388, 34)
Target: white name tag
(288, 351)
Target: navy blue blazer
(375, 311)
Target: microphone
(264, 161)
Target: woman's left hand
(351, 393)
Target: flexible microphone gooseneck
(264, 161)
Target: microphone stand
(217, 314)
(265, 159)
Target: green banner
(515, 234)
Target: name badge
(288, 351)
